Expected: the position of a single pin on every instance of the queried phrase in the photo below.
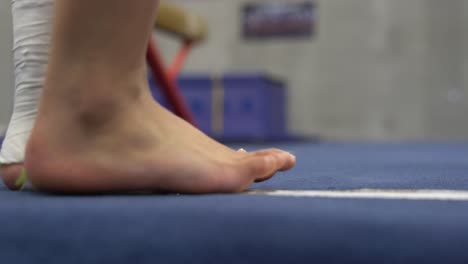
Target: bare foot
(10, 174)
(136, 145)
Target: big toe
(285, 159)
(263, 165)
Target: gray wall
(6, 65)
(378, 69)
(445, 103)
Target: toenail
(289, 156)
(292, 157)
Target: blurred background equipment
(190, 29)
(375, 70)
(231, 107)
(236, 106)
(263, 20)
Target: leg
(98, 128)
(32, 24)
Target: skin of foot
(10, 173)
(98, 129)
(133, 144)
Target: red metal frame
(166, 79)
(180, 59)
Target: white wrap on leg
(32, 26)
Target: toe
(285, 159)
(259, 168)
(262, 165)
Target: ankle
(93, 97)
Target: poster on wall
(279, 20)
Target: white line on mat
(443, 195)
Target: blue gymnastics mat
(261, 228)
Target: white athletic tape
(32, 24)
(442, 195)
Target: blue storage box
(254, 107)
(197, 93)
(236, 106)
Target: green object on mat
(22, 179)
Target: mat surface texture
(260, 227)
